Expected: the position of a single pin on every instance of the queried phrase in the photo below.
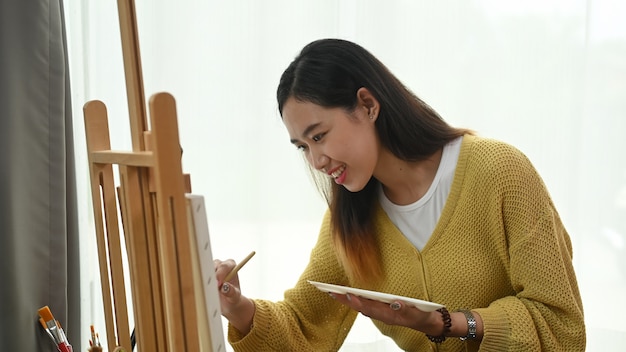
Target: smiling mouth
(338, 171)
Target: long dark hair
(329, 72)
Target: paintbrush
(53, 328)
(233, 272)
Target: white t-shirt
(418, 220)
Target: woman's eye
(301, 147)
(317, 137)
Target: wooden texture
(103, 196)
(170, 304)
(142, 256)
(174, 243)
(133, 73)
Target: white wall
(548, 76)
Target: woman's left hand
(394, 313)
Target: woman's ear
(367, 101)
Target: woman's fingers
(394, 313)
(222, 268)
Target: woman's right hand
(238, 309)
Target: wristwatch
(471, 325)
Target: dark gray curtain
(38, 225)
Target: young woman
(417, 208)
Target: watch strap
(471, 325)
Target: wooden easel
(167, 289)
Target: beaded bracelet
(447, 324)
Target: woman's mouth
(338, 174)
(337, 171)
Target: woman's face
(343, 145)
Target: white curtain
(548, 76)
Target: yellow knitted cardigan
(499, 248)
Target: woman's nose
(318, 160)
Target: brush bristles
(46, 314)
